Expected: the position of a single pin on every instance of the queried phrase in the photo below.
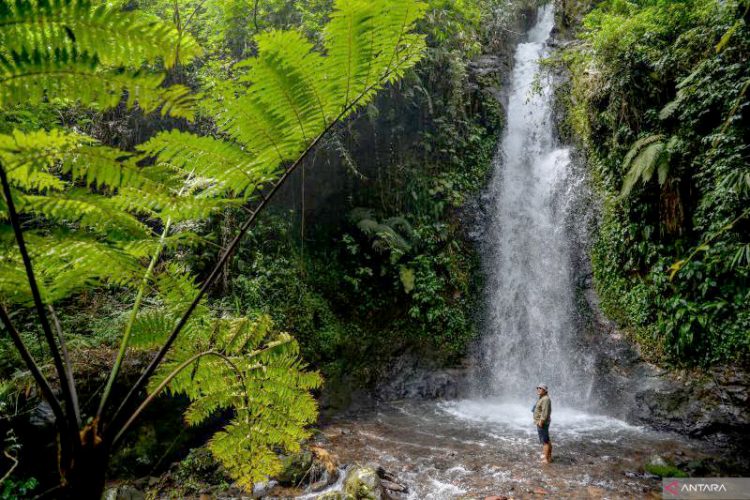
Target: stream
(477, 448)
(487, 444)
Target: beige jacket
(543, 411)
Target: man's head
(541, 389)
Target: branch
(151, 368)
(72, 406)
(12, 468)
(41, 381)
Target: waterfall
(529, 329)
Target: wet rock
(658, 461)
(318, 486)
(390, 485)
(124, 492)
(595, 492)
(262, 489)
(363, 483)
(332, 495)
(709, 404)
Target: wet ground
(478, 448)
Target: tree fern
(238, 363)
(393, 234)
(290, 94)
(95, 215)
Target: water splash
(529, 326)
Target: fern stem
(36, 372)
(66, 389)
(164, 383)
(66, 358)
(151, 368)
(131, 320)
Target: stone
(318, 486)
(262, 489)
(331, 495)
(363, 483)
(127, 492)
(657, 461)
(390, 485)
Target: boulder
(363, 483)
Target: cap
(542, 386)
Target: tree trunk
(84, 479)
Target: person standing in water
(542, 414)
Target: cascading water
(529, 329)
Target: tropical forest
(374, 249)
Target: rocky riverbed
(479, 448)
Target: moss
(664, 470)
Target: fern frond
(257, 373)
(163, 205)
(57, 152)
(370, 42)
(31, 77)
(223, 163)
(119, 38)
(292, 93)
(646, 156)
(91, 211)
(63, 264)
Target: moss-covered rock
(363, 483)
(660, 467)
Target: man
(542, 413)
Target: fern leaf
(227, 165)
(641, 161)
(63, 264)
(117, 37)
(31, 77)
(292, 93)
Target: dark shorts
(543, 433)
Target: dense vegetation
(660, 101)
(78, 215)
(391, 270)
(128, 193)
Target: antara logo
(675, 488)
(703, 487)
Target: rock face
(408, 377)
(710, 404)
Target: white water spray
(529, 328)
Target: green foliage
(95, 215)
(232, 363)
(49, 47)
(646, 156)
(13, 489)
(660, 89)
